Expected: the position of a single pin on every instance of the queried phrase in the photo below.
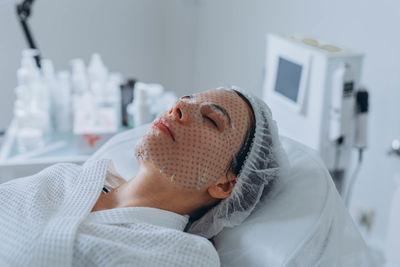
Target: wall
(230, 50)
(180, 41)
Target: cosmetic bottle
(140, 106)
(63, 102)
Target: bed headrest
(302, 221)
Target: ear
(222, 188)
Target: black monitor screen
(288, 79)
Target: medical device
(311, 87)
(362, 107)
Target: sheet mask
(200, 151)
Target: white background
(191, 45)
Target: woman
(207, 159)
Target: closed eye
(211, 120)
(187, 97)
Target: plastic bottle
(22, 91)
(28, 135)
(97, 70)
(113, 95)
(79, 77)
(32, 106)
(98, 76)
(28, 60)
(63, 102)
(40, 105)
(140, 106)
(49, 78)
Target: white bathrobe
(45, 220)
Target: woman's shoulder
(195, 249)
(171, 247)
(204, 252)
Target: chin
(140, 151)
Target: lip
(164, 127)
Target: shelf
(61, 147)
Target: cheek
(201, 155)
(212, 151)
(203, 148)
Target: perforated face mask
(194, 143)
(263, 163)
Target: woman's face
(194, 142)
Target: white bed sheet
(302, 222)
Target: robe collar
(147, 215)
(129, 215)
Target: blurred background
(193, 45)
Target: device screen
(288, 79)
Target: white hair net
(263, 164)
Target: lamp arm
(23, 13)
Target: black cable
(337, 158)
(338, 144)
(353, 179)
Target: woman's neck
(150, 189)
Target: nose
(179, 112)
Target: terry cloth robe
(46, 220)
